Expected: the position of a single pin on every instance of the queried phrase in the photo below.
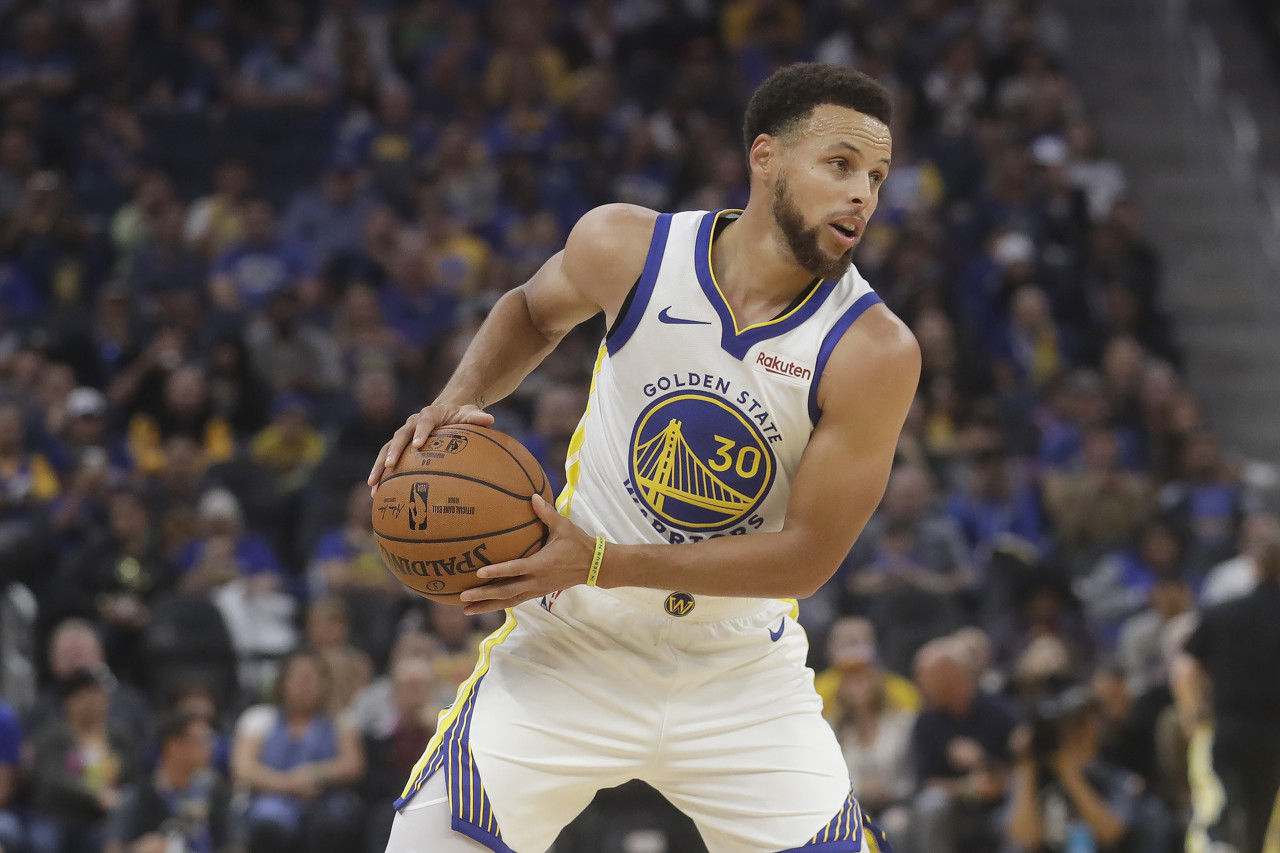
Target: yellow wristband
(596, 561)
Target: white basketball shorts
(581, 691)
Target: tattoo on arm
(479, 401)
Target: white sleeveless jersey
(694, 426)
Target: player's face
(828, 185)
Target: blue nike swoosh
(679, 321)
(777, 635)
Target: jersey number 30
(747, 456)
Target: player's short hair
(790, 95)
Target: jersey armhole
(829, 342)
(633, 308)
(622, 312)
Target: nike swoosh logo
(777, 635)
(665, 317)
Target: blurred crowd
(240, 241)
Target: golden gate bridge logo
(699, 463)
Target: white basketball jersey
(695, 427)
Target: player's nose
(859, 189)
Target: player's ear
(763, 156)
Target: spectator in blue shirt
(286, 71)
(226, 551)
(393, 144)
(299, 763)
(37, 67)
(1208, 500)
(11, 830)
(19, 298)
(994, 505)
(412, 302)
(1085, 404)
(1120, 584)
(247, 275)
(330, 220)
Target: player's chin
(835, 265)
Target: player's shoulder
(879, 340)
(876, 358)
(610, 239)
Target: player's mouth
(847, 231)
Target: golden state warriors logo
(698, 463)
(679, 604)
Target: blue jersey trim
(469, 807)
(829, 344)
(478, 835)
(845, 846)
(623, 330)
(736, 343)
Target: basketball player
(745, 407)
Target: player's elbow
(805, 589)
(817, 570)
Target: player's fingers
(509, 569)
(397, 444)
(546, 512)
(496, 596)
(491, 606)
(375, 473)
(423, 428)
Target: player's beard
(802, 241)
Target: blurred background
(240, 240)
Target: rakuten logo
(773, 364)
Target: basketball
(459, 502)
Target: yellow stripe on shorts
(450, 714)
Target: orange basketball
(460, 502)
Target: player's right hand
(416, 428)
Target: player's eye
(840, 164)
(877, 177)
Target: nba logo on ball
(418, 506)
(447, 442)
(698, 462)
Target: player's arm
(864, 395)
(601, 260)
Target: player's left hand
(563, 562)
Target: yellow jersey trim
(728, 307)
(573, 464)
(450, 714)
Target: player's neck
(755, 269)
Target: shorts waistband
(660, 608)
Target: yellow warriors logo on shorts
(679, 604)
(698, 463)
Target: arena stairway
(1187, 103)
